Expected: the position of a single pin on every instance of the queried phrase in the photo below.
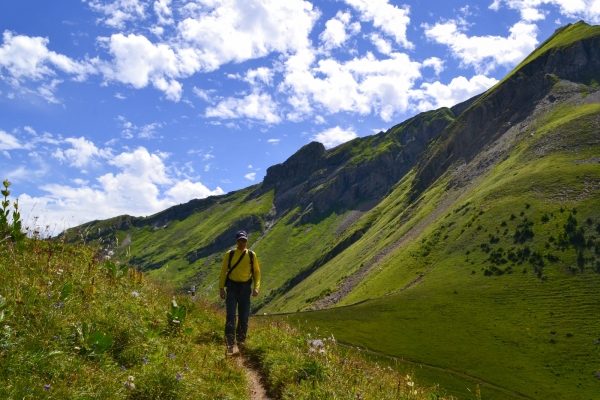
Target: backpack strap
(231, 252)
(251, 253)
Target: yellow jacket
(241, 273)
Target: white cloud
(120, 96)
(334, 136)
(82, 153)
(163, 12)
(142, 187)
(251, 176)
(205, 95)
(255, 76)
(531, 10)
(147, 131)
(9, 142)
(383, 46)
(25, 57)
(119, 12)
(30, 130)
(338, 30)
(436, 95)
(319, 120)
(258, 106)
(222, 31)
(485, 53)
(137, 62)
(360, 85)
(274, 141)
(435, 63)
(390, 19)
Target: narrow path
(255, 380)
(257, 389)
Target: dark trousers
(238, 297)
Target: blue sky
(130, 106)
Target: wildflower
(172, 355)
(178, 377)
(135, 294)
(176, 321)
(49, 295)
(322, 351)
(47, 387)
(130, 385)
(144, 360)
(411, 384)
(27, 389)
(123, 368)
(130, 378)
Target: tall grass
(302, 365)
(75, 325)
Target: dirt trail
(256, 387)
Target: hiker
(240, 266)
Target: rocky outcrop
(319, 180)
(511, 102)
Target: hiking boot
(229, 351)
(241, 347)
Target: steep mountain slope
(475, 229)
(294, 217)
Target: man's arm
(256, 276)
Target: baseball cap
(241, 235)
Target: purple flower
(27, 389)
(49, 295)
(123, 367)
(178, 377)
(144, 360)
(47, 387)
(172, 355)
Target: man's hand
(222, 294)
(255, 293)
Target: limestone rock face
(318, 180)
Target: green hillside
(465, 239)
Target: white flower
(135, 294)
(130, 378)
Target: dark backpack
(230, 268)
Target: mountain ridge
(467, 208)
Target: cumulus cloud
(143, 186)
(25, 57)
(118, 12)
(383, 46)
(258, 106)
(531, 10)
(435, 63)
(83, 153)
(334, 136)
(338, 30)
(251, 176)
(137, 61)
(436, 95)
(359, 85)
(390, 19)
(222, 31)
(485, 53)
(163, 12)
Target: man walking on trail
(240, 266)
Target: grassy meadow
(509, 273)
(75, 325)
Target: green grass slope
(76, 327)
(504, 284)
